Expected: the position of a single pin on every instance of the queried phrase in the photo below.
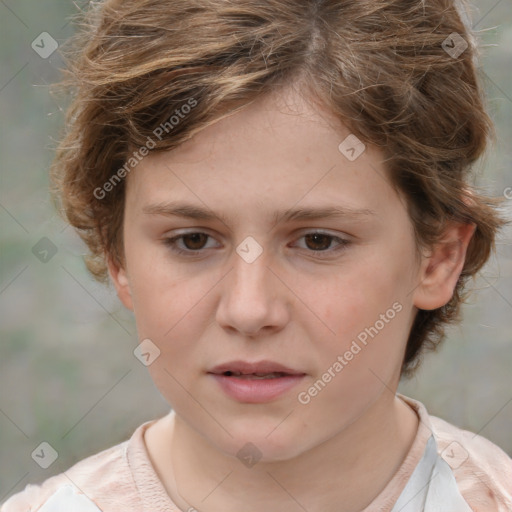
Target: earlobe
(119, 277)
(440, 270)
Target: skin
(337, 452)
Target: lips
(256, 369)
(273, 375)
(256, 382)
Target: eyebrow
(199, 213)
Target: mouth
(257, 382)
(260, 369)
(254, 376)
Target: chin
(255, 445)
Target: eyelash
(171, 244)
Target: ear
(440, 270)
(119, 277)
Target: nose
(253, 299)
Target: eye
(319, 242)
(191, 244)
(194, 242)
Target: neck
(343, 474)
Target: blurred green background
(67, 372)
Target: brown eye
(194, 241)
(318, 241)
(321, 245)
(191, 244)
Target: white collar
(432, 486)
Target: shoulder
(483, 471)
(91, 485)
(64, 497)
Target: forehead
(279, 150)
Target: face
(312, 310)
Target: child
(266, 127)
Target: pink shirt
(464, 471)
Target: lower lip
(255, 391)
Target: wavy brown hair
(380, 66)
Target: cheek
(364, 355)
(163, 309)
(160, 291)
(172, 308)
(368, 306)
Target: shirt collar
(432, 485)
